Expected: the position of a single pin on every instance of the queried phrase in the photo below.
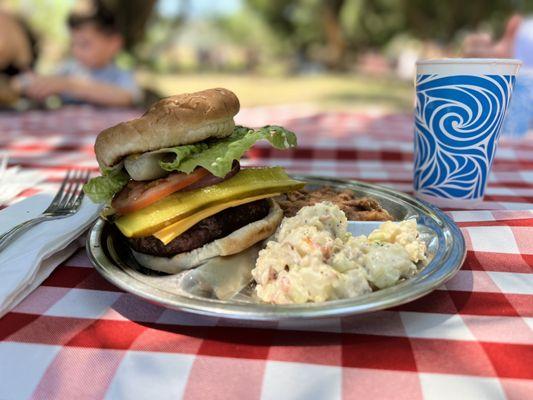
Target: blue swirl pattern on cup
(458, 120)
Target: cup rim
(483, 61)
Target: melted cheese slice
(170, 232)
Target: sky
(199, 7)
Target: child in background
(92, 75)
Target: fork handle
(8, 237)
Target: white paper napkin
(32, 257)
(14, 180)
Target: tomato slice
(136, 195)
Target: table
(79, 337)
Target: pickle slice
(247, 183)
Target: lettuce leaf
(217, 156)
(102, 188)
(181, 152)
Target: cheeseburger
(173, 183)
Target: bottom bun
(235, 242)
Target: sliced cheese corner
(169, 233)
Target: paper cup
(460, 107)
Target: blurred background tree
(132, 18)
(276, 38)
(331, 31)
(307, 33)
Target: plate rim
(268, 312)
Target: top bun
(173, 121)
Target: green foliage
(347, 26)
(372, 23)
(442, 20)
(296, 21)
(251, 30)
(328, 32)
(45, 17)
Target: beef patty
(207, 230)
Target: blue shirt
(523, 46)
(110, 74)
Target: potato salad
(313, 258)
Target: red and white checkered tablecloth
(79, 337)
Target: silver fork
(66, 202)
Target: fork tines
(70, 194)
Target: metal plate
(222, 287)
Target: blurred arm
(105, 94)
(482, 44)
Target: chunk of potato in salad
(313, 258)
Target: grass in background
(327, 91)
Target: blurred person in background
(18, 54)
(516, 42)
(92, 75)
